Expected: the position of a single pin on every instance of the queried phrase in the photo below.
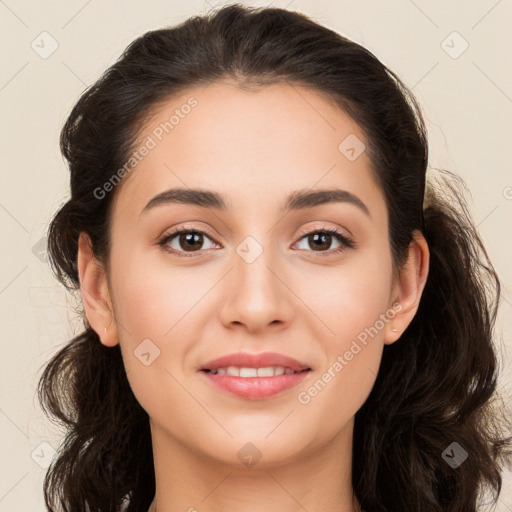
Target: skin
(255, 148)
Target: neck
(318, 479)
(356, 506)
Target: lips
(262, 360)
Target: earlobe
(95, 293)
(409, 287)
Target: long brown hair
(437, 385)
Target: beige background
(467, 102)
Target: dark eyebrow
(298, 200)
(307, 199)
(203, 198)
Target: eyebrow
(298, 200)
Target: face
(253, 276)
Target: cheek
(352, 309)
(350, 298)
(152, 296)
(153, 308)
(156, 308)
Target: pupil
(189, 238)
(322, 237)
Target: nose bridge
(254, 257)
(257, 297)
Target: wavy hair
(437, 385)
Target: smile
(255, 383)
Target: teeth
(269, 371)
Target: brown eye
(183, 241)
(320, 241)
(190, 241)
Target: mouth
(255, 376)
(246, 363)
(255, 383)
(250, 372)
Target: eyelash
(346, 241)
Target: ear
(95, 293)
(408, 288)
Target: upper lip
(262, 360)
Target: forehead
(253, 145)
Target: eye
(321, 239)
(183, 241)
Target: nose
(257, 292)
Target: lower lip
(256, 388)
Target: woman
(280, 311)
